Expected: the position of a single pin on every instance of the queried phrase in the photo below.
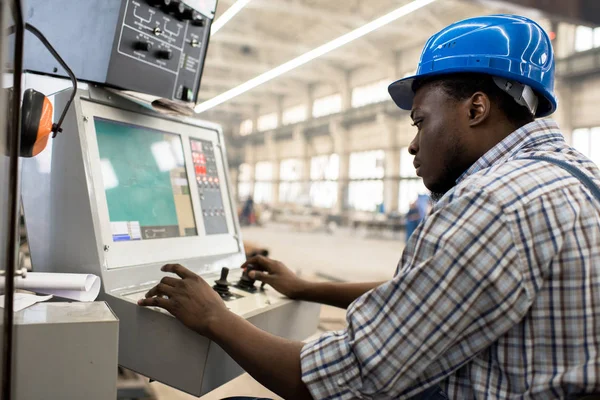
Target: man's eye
(417, 123)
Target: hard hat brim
(402, 93)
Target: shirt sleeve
(458, 288)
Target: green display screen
(145, 181)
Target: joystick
(222, 285)
(246, 283)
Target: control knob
(246, 283)
(143, 46)
(196, 19)
(164, 54)
(160, 3)
(176, 8)
(222, 285)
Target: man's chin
(437, 191)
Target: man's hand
(190, 299)
(273, 361)
(277, 275)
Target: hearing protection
(37, 110)
(36, 122)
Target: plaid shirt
(496, 295)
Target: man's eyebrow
(412, 115)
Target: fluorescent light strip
(227, 15)
(312, 54)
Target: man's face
(440, 147)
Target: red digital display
(200, 169)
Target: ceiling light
(227, 15)
(312, 54)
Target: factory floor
(343, 256)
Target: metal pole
(13, 201)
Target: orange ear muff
(36, 123)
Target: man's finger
(259, 262)
(260, 276)
(160, 290)
(156, 302)
(179, 270)
(168, 280)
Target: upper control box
(156, 47)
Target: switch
(187, 94)
(164, 54)
(143, 46)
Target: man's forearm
(271, 360)
(335, 294)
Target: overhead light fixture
(312, 54)
(227, 15)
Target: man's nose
(413, 148)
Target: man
(497, 292)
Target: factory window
(244, 181)
(410, 185)
(365, 190)
(324, 172)
(290, 185)
(263, 187)
(327, 105)
(586, 38)
(367, 165)
(587, 141)
(246, 127)
(369, 94)
(293, 115)
(267, 122)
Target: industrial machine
(155, 47)
(123, 191)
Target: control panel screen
(209, 187)
(145, 181)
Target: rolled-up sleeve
(458, 288)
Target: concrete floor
(345, 256)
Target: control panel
(209, 187)
(156, 47)
(166, 35)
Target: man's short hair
(461, 86)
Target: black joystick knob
(221, 285)
(246, 283)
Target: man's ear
(479, 107)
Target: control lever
(246, 283)
(222, 285)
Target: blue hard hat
(506, 46)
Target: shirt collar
(528, 136)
